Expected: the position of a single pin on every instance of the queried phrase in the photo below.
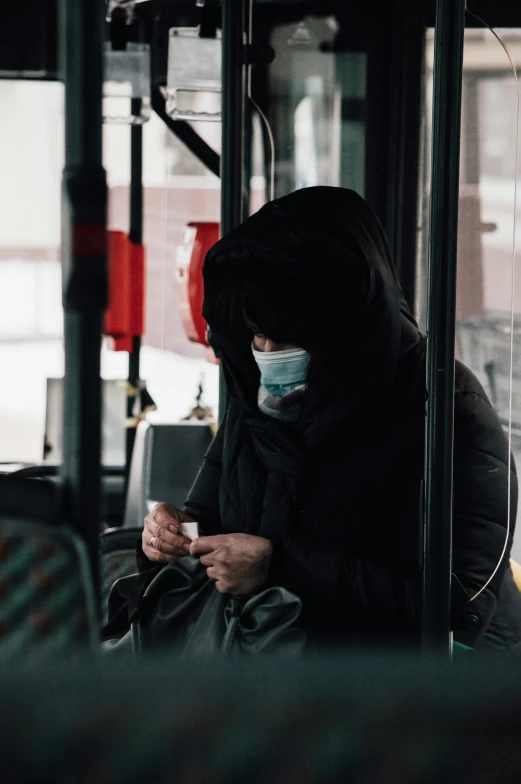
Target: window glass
(31, 160)
(315, 98)
(177, 189)
(486, 222)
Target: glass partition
(316, 108)
(177, 189)
(487, 286)
(31, 160)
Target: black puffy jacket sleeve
(482, 512)
(202, 502)
(369, 594)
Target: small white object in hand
(191, 530)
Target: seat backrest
(135, 504)
(23, 495)
(47, 601)
(165, 462)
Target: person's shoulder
(467, 384)
(476, 424)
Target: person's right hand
(162, 540)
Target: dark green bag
(178, 605)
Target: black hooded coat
(339, 494)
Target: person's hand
(162, 540)
(238, 563)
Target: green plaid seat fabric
(46, 597)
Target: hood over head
(322, 262)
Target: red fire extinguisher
(197, 240)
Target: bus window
(486, 223)
(305, 105)
(178, 189)
(31, 160)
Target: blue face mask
(282, 371)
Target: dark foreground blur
(358, 720)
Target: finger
(162, 515)
(222, 587)
(162, 547)
(166, 514)
(208, 560)
(205, 544)
(145, 541)
(153, 524)
(177, 540)
(157, 556)
(161, 532)
(213, 573)
(165, 547)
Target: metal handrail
(448, 70)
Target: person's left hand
(238, 563)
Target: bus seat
(165, 462)
(47, 601)
(516, 571)
(113, 487)
(118, 559)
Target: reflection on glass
(178, 189)
(194, 67)
(126, 87)
(486, 222)
(316, 108)
(306, 172)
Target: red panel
(137, 289)
(122, 344)
(117, 315)
(124, 317)
(197, 240)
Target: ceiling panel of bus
(28, 28)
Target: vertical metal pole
(448, 67)
(403, 133)
(136, 236)
(84, 207)
(233, 94)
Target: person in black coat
(313, 481)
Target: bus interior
(133, 134)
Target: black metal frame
(232, 157)
(84, 205)
(448, 69)
(136, 237)
(186, 134)
(403, 151)
(232, 113)
(395, 48)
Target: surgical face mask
(282, 371)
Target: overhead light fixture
(126, 87)
(194, 71)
